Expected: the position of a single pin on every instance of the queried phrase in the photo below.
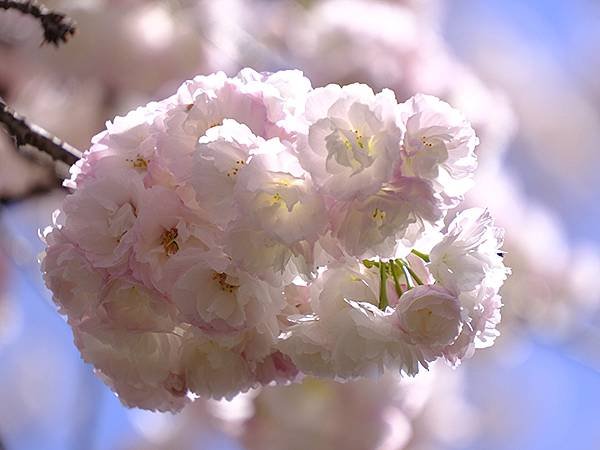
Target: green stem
(395, 277)
(383, 300)
(423, 256)
(409, 281)
(413, 274)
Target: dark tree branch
(35, 191)
(57, 29)
(25, 133)
(57, 26)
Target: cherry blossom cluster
(251, 230)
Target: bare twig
(34, 191)
(25, 133)
(57, 26)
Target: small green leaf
(423, 256)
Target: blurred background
(524, 73)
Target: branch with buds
(57, 26)
(25, 133)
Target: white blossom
(470, 253)
(251, 230)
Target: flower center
(426, 142)
(378, 216)
(168, 241)
(358, 137)
(350, 148)
(236, 168)
(139, 162)
(176, 385)
(221, 279)
(276, 199)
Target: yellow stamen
(378, 216)
(276, 199)
(139, 162)
(359, 139)
(426, 142)
(221, 279)
(168, 241)
(236, 168)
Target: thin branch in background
(35, 191)
(25, 133)
(57, 26)
(57, 29)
